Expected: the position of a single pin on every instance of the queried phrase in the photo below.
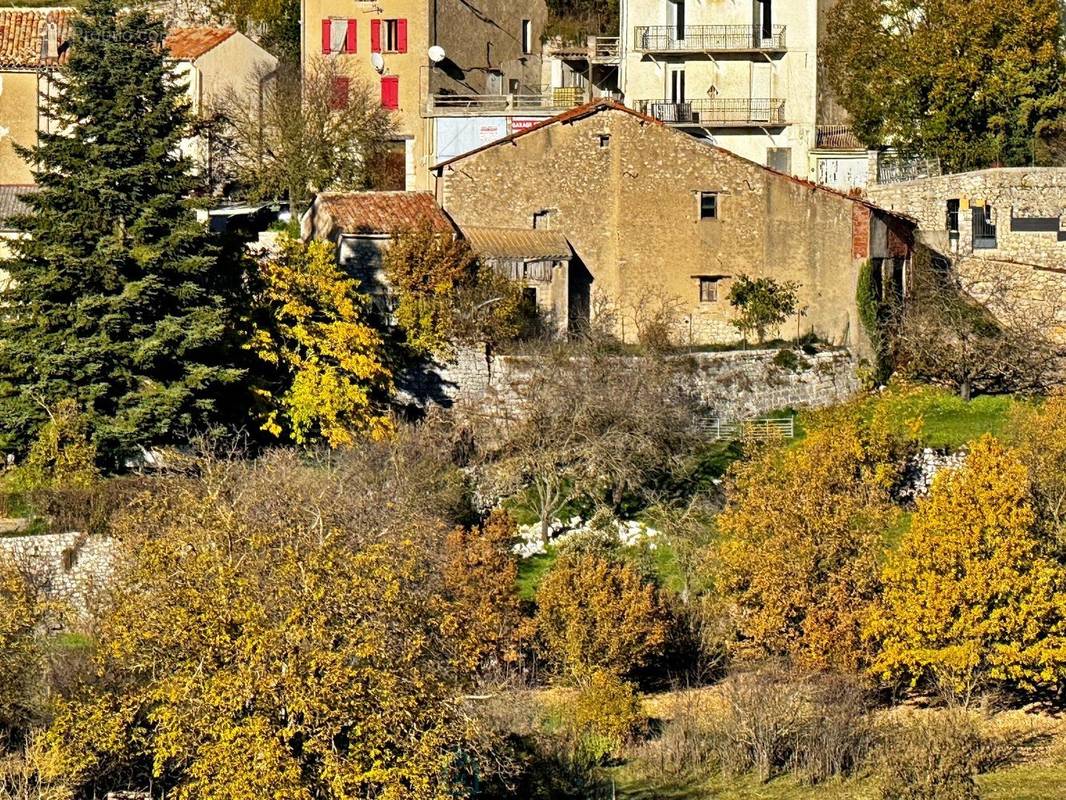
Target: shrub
(761, 303)
(593, 612)
(772, 722)
(932, 757)
(603, 716)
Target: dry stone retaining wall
(733, 385)
(68, 567)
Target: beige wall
(18, 122)
(629, 210)
(480, 36)
(793, 73)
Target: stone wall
(69, 567)
(1019, 197)
(1025, 273)
(733, 385)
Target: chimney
(50, 43)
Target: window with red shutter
(338, 95)
(401, 36)
(390, 92)
(327, 29)
(375, 35)
(349, 39)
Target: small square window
(708, 290)
(708, 205)
(604, 139)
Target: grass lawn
(532, 570)
(1015, 783)
(947, 420)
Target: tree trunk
(965, 389)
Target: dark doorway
(579, 301)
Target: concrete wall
(793, 73)
(628, 204)
(733, 385)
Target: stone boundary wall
(733, 385)
(69, 567)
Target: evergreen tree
(120, 299)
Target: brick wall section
(860, 232)
(733, 385)
(625, 193)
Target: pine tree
(119, 298)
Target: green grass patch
(895, 534)
(948, 421)
(70, 642)
(531, 572)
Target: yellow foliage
(801, 538)
(257, 650)
(480, 574)
(602, 716)
(972, 595)
(331, 374)
(1038, 434)
(62, 456)
(596, 613)
(20, 654)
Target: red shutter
(338, 96)
(327, 27)
(401, 36)
(390, 92)
(349, 40)
(375, 36)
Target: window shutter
(327, 30)
(390, 92)
(401, 36)
(338, 97)
(375, 36)
(349, 40)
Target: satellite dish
(436, 54)
(377, 62)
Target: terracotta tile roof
(518, 243)
(188, 44)
(383, 212)
(23, 32)
(579, 112)
(11, 195)
(837, 137)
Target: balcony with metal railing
(719, 112)
(708, 38)
(552, 100)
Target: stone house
(1003, 229)
(433, 61)
(35, 43)
(661, 223)
(362, 224)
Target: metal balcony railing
(707, 38)
(557, 99)
(721, 111)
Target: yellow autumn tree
(326, 376)
(801, 536)
(270, 636)
(1038, 435)
(972, 596)
(595, 613)
(446, 298)
(21, 656)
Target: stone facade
(629, 193)
(1015, 253)
(69, 567)
(732, 385)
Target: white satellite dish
(436, 54)
(377, 62)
